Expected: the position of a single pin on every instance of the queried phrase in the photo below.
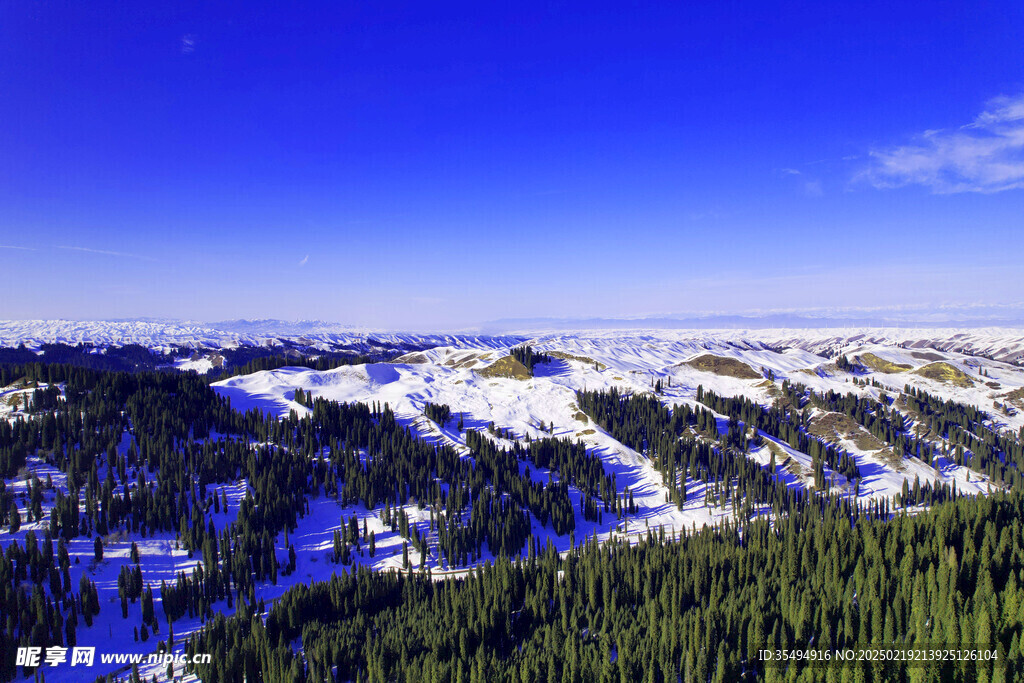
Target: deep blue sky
(426, 166)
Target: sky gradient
(434, 167)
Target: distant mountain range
(740, 322)
(820, 336)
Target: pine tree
(15, 517)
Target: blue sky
(416, 166)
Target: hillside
(518, 465)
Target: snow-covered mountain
(997, 343)
(465, 372)
(158, 334)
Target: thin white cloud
(188, 44)
(808, 185)
(304, 261)
(104, 252)
(986, 155)
(11, 246)
(812, 188)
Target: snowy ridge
(1004, 344)
(164, 334)
(998, 343)
(630, 362)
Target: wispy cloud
(104, 252)
(708, 215)
(11, 246)
(188, 44)
(304, 261)
(986, 155)
(810, 186)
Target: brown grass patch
(782, 401)
(582, 359)
(835, 426)
(466, 360)
(922, 420)
(789, 464)
(776, 449)
(1016, 397)
(770, 388)
(414, 358)
(507, 367)
(727, 367)
(892, 459)
(882, 365)
(944, 372)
